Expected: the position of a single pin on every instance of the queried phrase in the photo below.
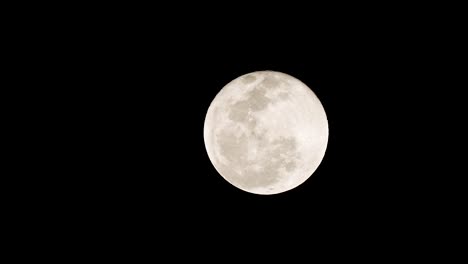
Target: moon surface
(266, 132)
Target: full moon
(266, 132)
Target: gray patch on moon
(248, 79)
(265, 169)
(239, 111)
(270, 81)
(232, 146)
(256, 101)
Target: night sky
(141, 86)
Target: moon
(266, 132)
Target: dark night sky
(153, 129)
(143, 89)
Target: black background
(150, 151)
(139, 85)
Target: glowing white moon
(266, 132)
